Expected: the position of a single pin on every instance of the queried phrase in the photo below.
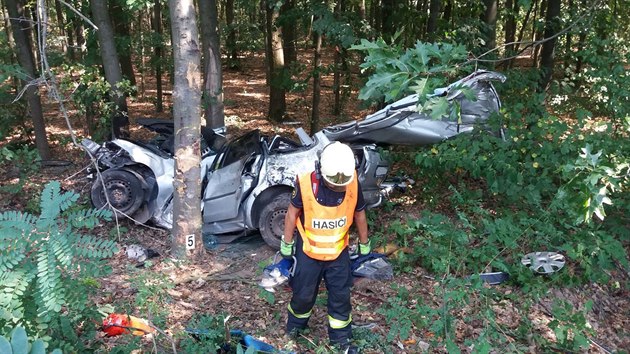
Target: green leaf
(38, 347)
(5, 346)
(19, 341)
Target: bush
(47, 269)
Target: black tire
(271, 222)
(124, 190)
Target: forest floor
(223, 281)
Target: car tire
(271, 222)
(124, 190)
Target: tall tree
(21, 29)
(230, 43)
(289, 29)
(552, 26)
(489, 18)
(156, 23)
(187, 116)
(317, 63)
(434, 14)
(213, 75)
(121, 18)
(111, 65)
(275, 58)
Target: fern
(43, 260)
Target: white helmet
(337, 164)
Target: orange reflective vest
(325, 229)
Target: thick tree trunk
(157, 54)
(231, 37)
(20, 30)
(111, 65)
(186, 239)
(213, 76)
(552, 19)
(275, 55)
(317, 63)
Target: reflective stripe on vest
(325, 229)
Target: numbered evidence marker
(190, 242)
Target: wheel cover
(543, 262)
(124, 191)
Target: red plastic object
(116, 324)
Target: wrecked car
(247, 182)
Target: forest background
(557, 182)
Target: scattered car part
(116, 324)
(372, 266)
(543, 262)
(494, 278)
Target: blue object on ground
(246, 340)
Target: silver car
(247, 182)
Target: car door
(224, 188)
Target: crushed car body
(247, 182)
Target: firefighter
(324, 204)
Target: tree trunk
(157, 54)
(288, 35)
(122, 33)
(186, 239)
(275, 55)
(490, 21)
(552, 19)
(511, 7)
(111, 65)
(317, 63)
(213, 77)
(387, 17)
(231, 38)
(61, 24)
(20, 30)
(434, 13)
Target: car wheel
(271, 222)
(124, 190)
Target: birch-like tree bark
(186, 237)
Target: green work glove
(286, 248)
(365, 248)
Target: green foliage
(91, 94)
(396, 72)
(20, 343)
(43, 263)
(152, 295)
(25, 158)
(571, 327)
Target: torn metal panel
(400, 123)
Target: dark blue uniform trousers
(305, 284)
